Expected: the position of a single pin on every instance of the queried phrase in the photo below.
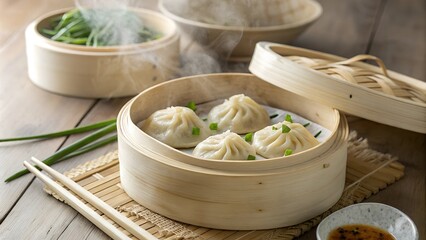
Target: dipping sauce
(359, 232)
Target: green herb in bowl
(99, 27)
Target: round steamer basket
(102, 72)
(235, 195)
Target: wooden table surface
(394, 30)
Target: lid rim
(345, 96)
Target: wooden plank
(53, 224)
(81, 225)
(18, 14)
(401, 37)
(343, 29)
(24, 108)
(27, 218)
(400, 41)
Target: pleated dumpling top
(239, 114)
(225, 146)
(273, 141)
(178, 127)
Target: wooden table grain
(394, 30)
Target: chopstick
(75, 203)
(110, 212)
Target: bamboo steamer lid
(234, 195)
(349, 85)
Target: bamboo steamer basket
(237, 195)
(102, 72)
(349, 85)
(283, 21)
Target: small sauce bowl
(379, 215)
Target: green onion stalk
(63, 133)
(88, 143)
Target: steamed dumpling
(240, 114)
(178, 127)
(272, 142)
(225, 146)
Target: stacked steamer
(230, 194)
(102, 71)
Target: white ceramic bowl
(376, 214)
(205, 22)
(102, 72)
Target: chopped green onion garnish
(251, 157)
(273, 116)
(213, 126)
(285, 129)
(306, 124)
(248, 137)
(196, 131)
(288, 152)
(318, 133)
(288, 118)
(274, 128)
(192, 105)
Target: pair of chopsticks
(85, 210)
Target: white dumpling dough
(271, 143)
(240, 114)
(225, 146)
(174, 127)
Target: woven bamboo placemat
(367, 173)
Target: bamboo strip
(384, 171)
(85, 181)
(237, 235)
(107, 191)
(377, 179)
(93, 168)
(223, 235)
(210, 233)
(112, 194)
(110, 182)
(110, 170)
(103, 181)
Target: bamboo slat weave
(347, 70)
(368, 172)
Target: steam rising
(123, 28)
(117, 27)
(112, 21)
